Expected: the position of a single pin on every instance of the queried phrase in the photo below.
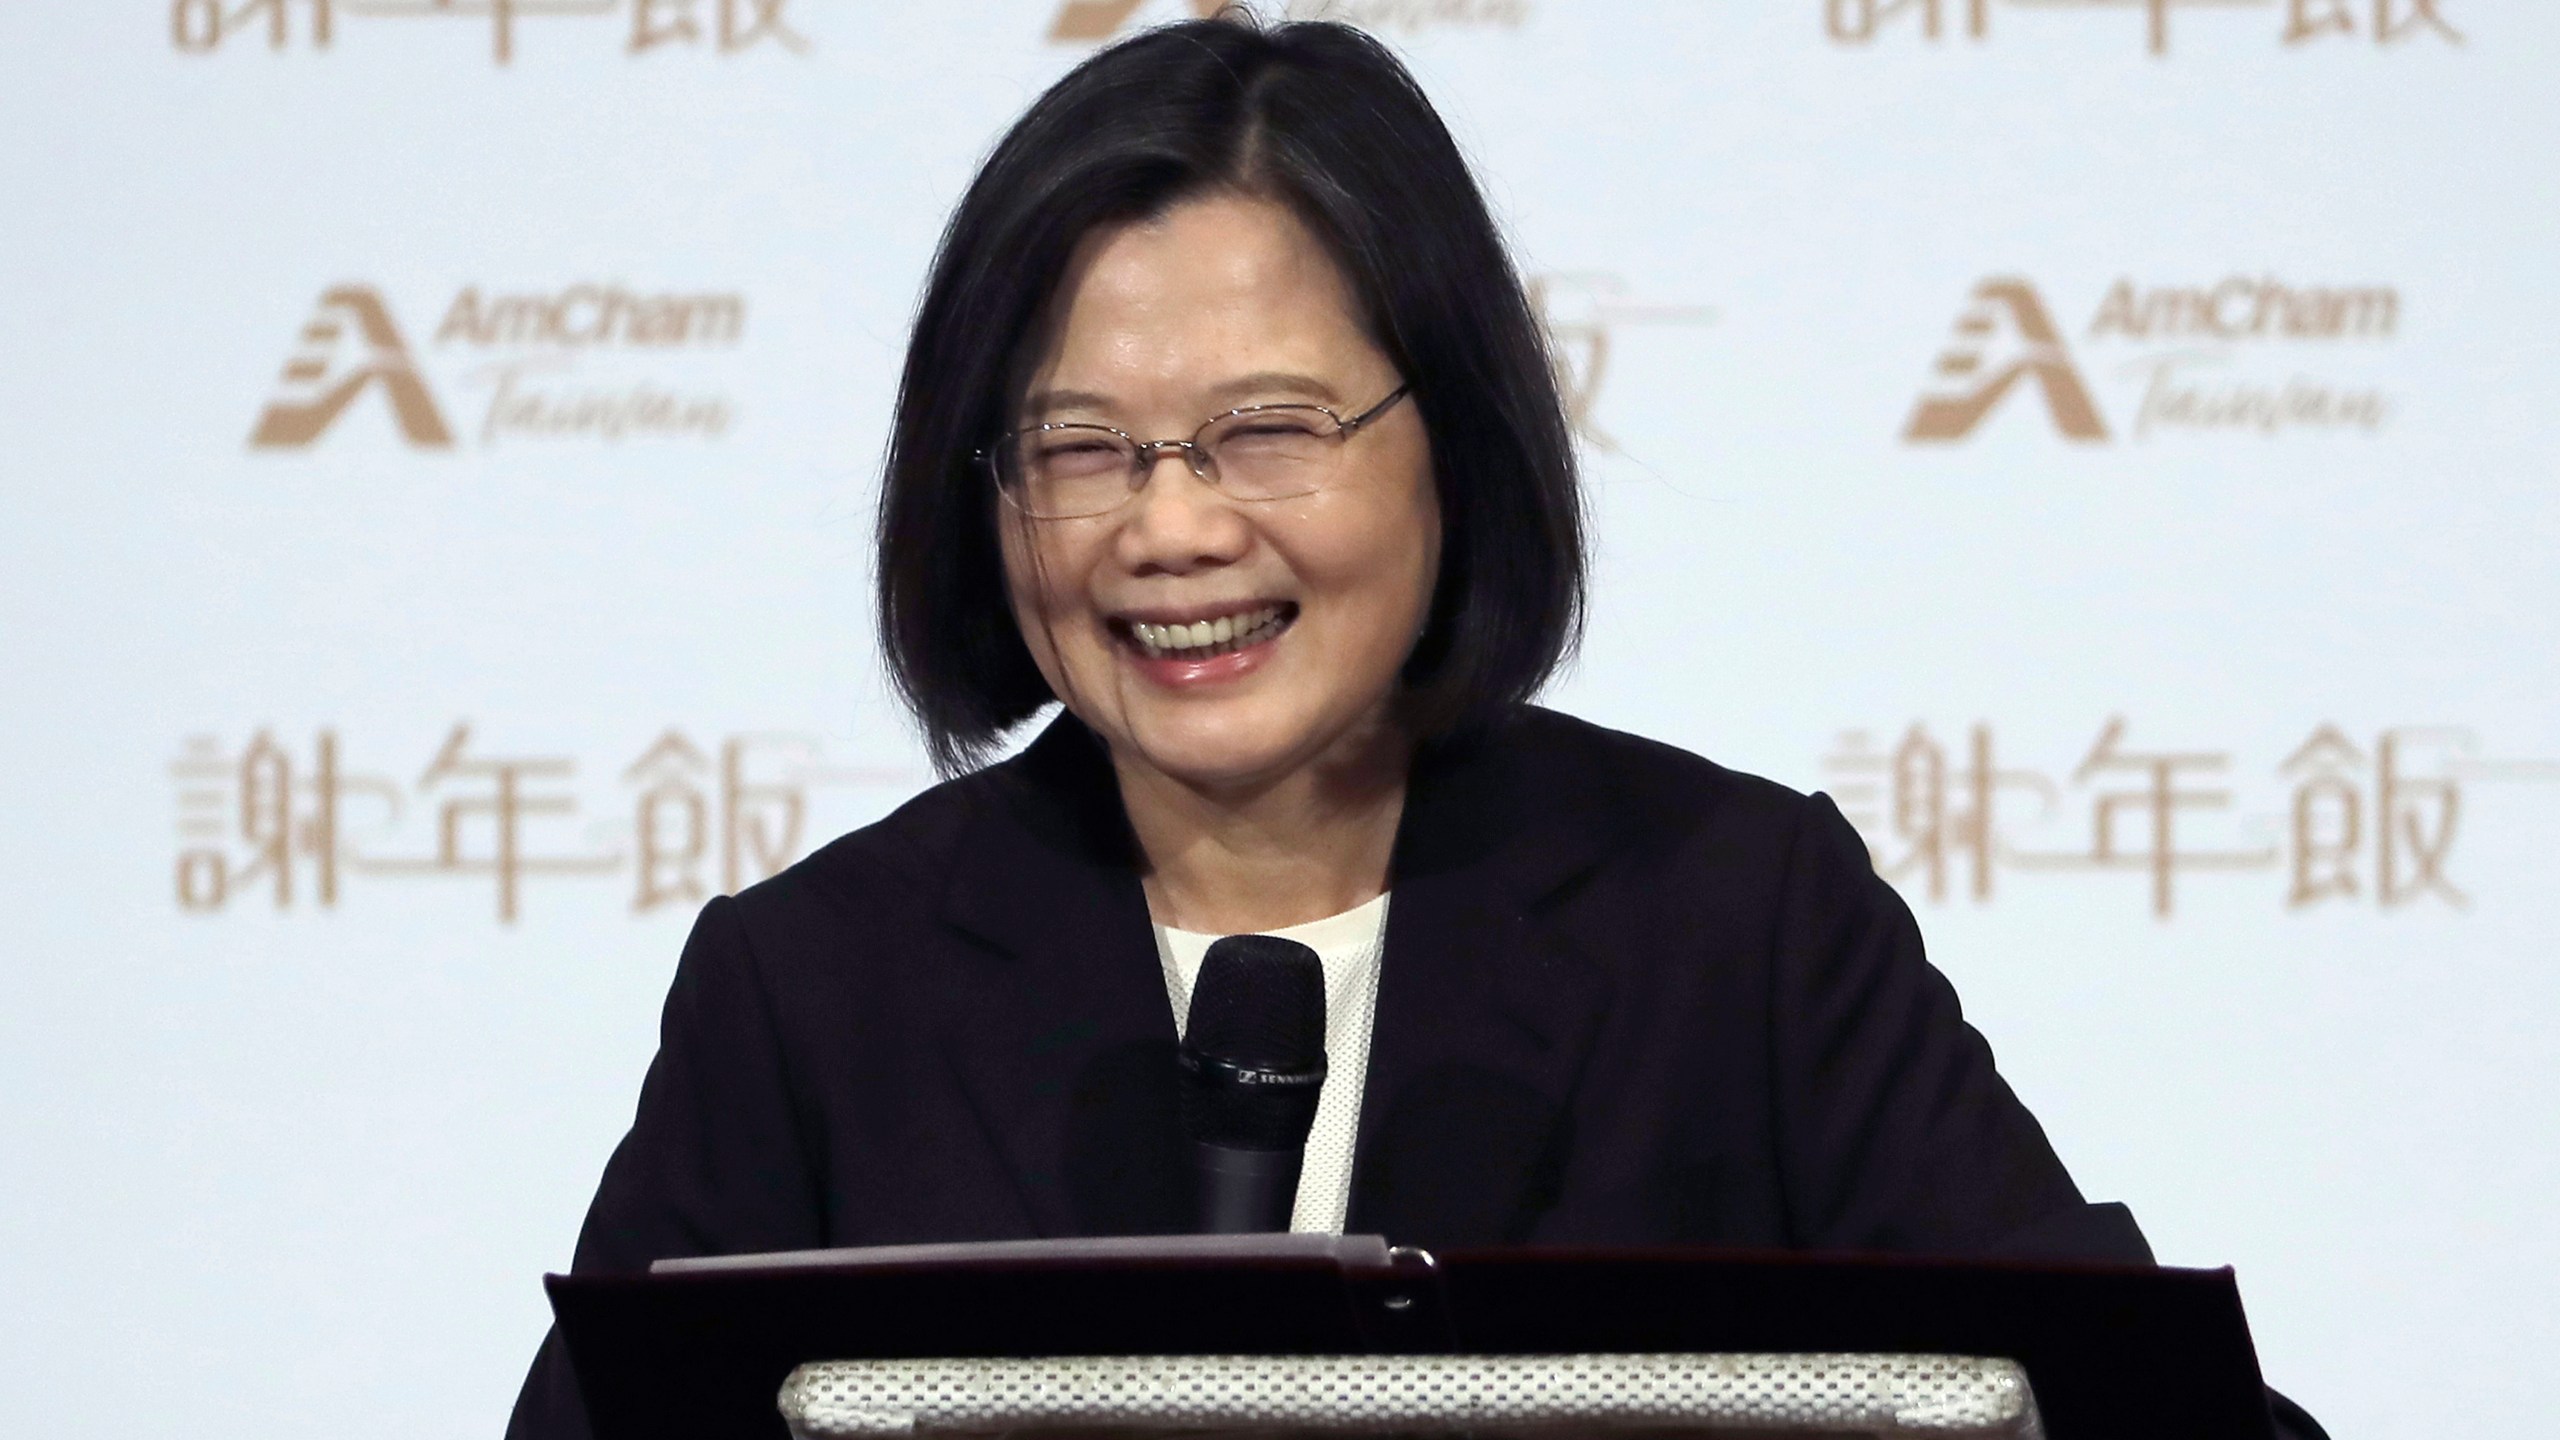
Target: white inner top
(1349, 944)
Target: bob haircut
(1322, 119)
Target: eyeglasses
(1261, 452)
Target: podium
(1320, 1334)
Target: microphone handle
(1246, 1192)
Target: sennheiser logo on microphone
(1270, 1077)
(1218, 1071)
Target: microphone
(1252, 1066)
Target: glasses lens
(1275, 452)
(1067, 470)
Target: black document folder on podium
(700, 1349)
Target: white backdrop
(2150, 395)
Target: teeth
(1203, 638)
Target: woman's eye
(1077, 456)
(1272, 431)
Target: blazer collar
(1047, 850)
(1484, 1017)
(1062, 1035)
(1485, 1012)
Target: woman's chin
(1207, 752)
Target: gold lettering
(2390, 27)
(2158, 796)
(2328, 818)
(2226, 312)
(2174, 398)
(2234, 288)
(2404, 806)
(647, 32)
(2006, 313)
(575, 296)
(463, 318)
(2368, 314)
(350, 317)
(721, 319)
(745, 22)
(2120, 314)
(590, 316)
(195, 26)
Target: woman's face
(1223, 302)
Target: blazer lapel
(1484, 1020)
(1063, 1037)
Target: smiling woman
(1226, 429)
(1261, 254)
(1324, 549)
(1311, 147)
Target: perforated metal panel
(1948, 1397)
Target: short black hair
(1323, 119)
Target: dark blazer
(1628, 997)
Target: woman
(1227, 426)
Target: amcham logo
(2194, 373)
(350, 346)
(536, 355)
(2005, 338)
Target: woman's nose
(1178, 521)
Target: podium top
(1359, 1397)
(703, 1347)
(1348, 1251)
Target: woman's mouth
(1207, 639)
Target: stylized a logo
(2007, 314)
(1102, 19)
(318, 388)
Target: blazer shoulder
(907, 853)
(1649, 787)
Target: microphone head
(1253, 1047)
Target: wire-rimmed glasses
(1072, 471)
